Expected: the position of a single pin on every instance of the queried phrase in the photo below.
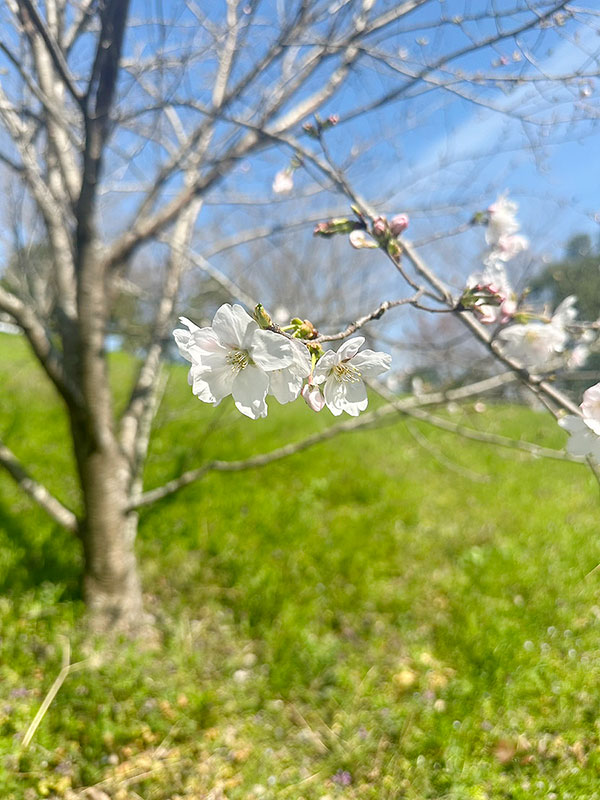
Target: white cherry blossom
(233, 356)
(342, 374)
(507, 248)
(535, 343)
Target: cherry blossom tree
(119, 128)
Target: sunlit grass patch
(360, 620)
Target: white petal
(191, 326)
(284, 385)
(566, 311)
(370, 363)
(356, 399)
(250, 387)
(232, 324)
(350, 348)
(212, 385)
(270, 350)
(301, 364)
(185, 339)
(324, 366)
(334, 393)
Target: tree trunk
(111, 581)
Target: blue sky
(439, 156)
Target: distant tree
(578, 273)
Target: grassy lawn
(363, 620)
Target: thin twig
(375, 314)
(35, 490)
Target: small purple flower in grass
(342, 777)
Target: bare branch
(410, 406)
(395, 94)
(30, 14)
(41, 343)
(36, 491)
(376, 314)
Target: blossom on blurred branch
(343, 373)
(490, 295)
(233, 356)
(585, 430)
(535, 343)
(250, 358)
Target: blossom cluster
(489, 292)
(535, 340)
(237, 356)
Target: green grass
(357, 612)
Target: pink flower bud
(333, 119)
(312, 397)
(379, 226)
(508, 307)
(398, 224)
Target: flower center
(345, 373)
(238, 359)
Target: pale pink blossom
(508, 247)
(578, 356)
(342, 374)
(534, 344)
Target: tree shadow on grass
(34, 550)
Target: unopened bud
(339, 225)
(306, 330)
(261, 316)
(312, 396)
(333, 119)
(380, 226)
(398, 224)
(310, 129)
